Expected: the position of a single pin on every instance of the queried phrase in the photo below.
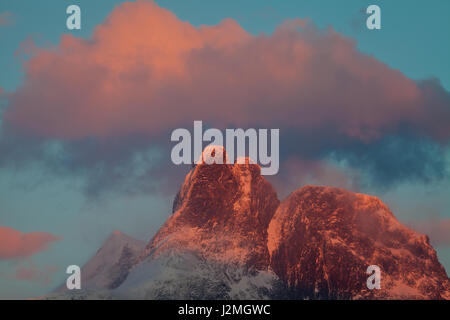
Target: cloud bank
(144, 73)
(144, 70)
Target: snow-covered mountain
(230, 238)
(185, 274)
(111, 263)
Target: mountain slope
(187, 275)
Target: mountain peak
(120, 237)
(111, 263)
(221, 211)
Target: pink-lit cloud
(146, 71)
(18, 245)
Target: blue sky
(414, 39)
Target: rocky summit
(222, 212)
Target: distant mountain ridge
(229, 237)
(110, 265)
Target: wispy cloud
(6, 18)
(437, 229)
(32, 273)
(18, 245)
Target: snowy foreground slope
(230, 238)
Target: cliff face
(321, 241)
(222, 212)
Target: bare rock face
(222, 211)
(321, 241)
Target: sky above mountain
(86, 115)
